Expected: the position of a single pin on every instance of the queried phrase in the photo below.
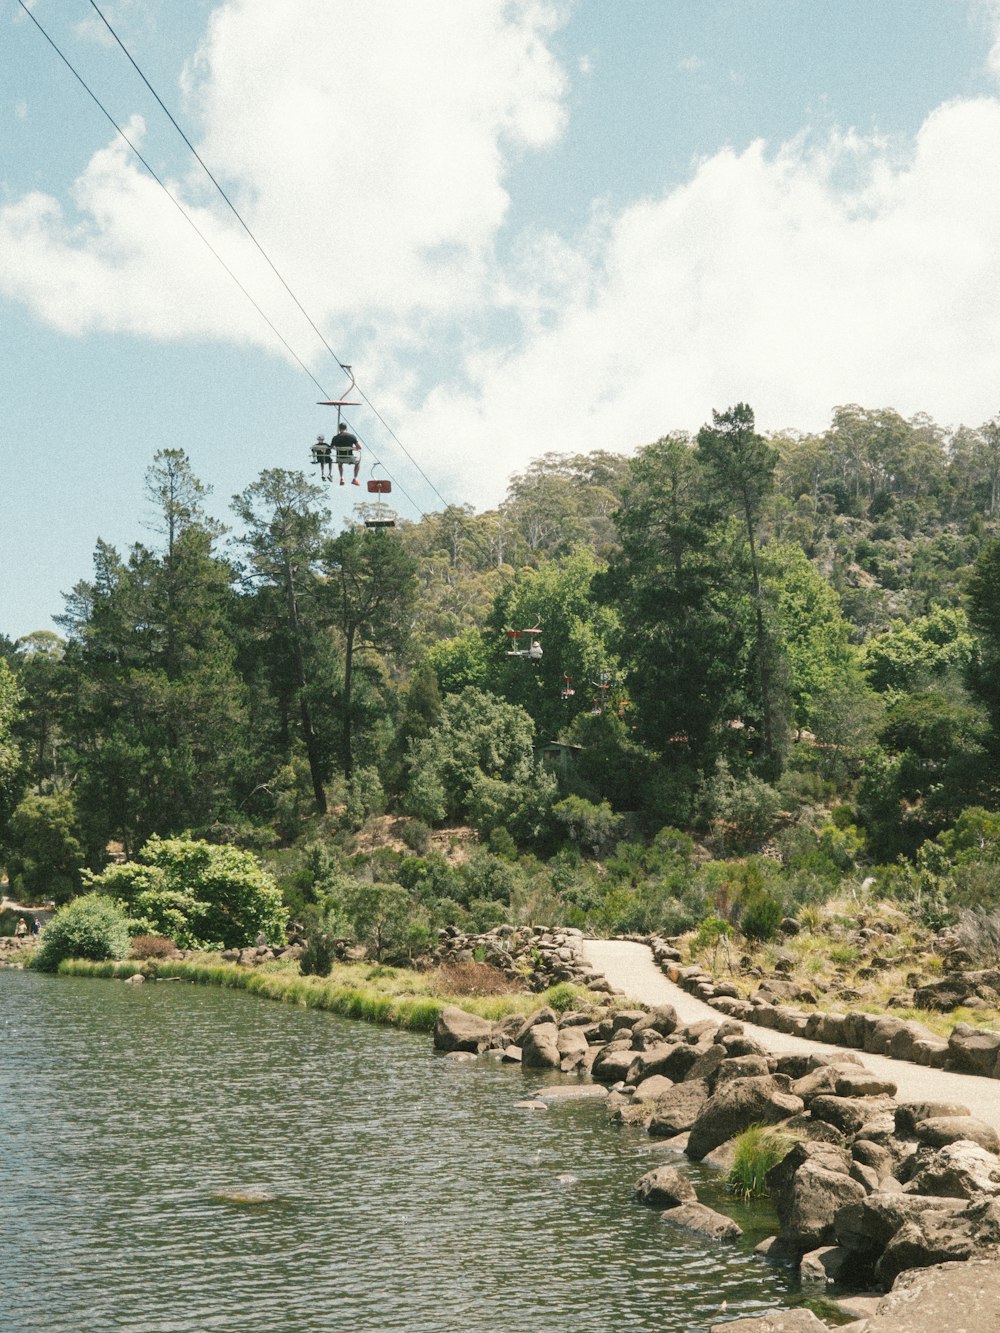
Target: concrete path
(630, 968)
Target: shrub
(91, 927)
(152, 946)
(757, 1149)
(319, 955)
(416, 835)
(760, 915)
(198, 894)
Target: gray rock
(808, 1188)
(652, 1089)
(939, 1131)
(859, 1083)
(737, 1105)
(678, 1109)
(909, 1114)
(935, 1237)
(572, 1046)
(973, 1050)
(741, 1066)
(867, 1227)
(775, 1321)
(957, 1296)
(702, 1220)
(613, 1064)
(456, 1030)
(665, 1187)
(540, 1047)
(959, 1170)
(849, 1114)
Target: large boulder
(850, 1114)
(665, 1187)
(735, 1106)
(866, 1227)
(573, 1048)
(909, 1114)
(678, 1109)
(934, 1237)
(808, 1188)
(456, 1030)
(543, 1015)
(540, 1047)
(775, 1321)
(614, 1062)
(948, 1296)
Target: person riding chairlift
(347, 450)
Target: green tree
(89, 927)
(370, 591)
(197, 893)
(576, 639)
(156, 718)
(479, 764)
(742, 466)
(10, 754)
(46, 855)
(682, 638)
(283, 541)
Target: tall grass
(348, 995)
(757, 1149)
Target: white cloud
(690, 64)
(372, 161)
(762, 279)
(366, 145)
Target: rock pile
(534, 955)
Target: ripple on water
(177, 1157)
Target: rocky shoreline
(876, 1194)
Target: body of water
(399, 1189)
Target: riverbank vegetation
(767, 695)
(397, 997)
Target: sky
(528, 225)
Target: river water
(402, 1189)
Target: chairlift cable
(266, 257)
(194, 226)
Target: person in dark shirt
(347, 450)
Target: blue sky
(529, 225)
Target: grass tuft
(757, 1149)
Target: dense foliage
(768, 664)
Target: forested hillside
(768, 663)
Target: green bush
(197, 894)
(319, 955)
(760, 915)
(91, 927)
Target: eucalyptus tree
(741, 465)
(284, 530)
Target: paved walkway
(630, 968)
